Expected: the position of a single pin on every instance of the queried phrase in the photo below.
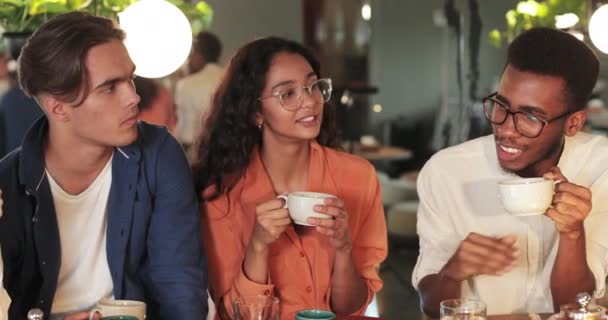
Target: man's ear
(56, 109)
(575, 122)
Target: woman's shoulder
(346, 162)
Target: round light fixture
(159, 37)
(366, 12)
(598, 28)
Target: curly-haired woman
(270, 133)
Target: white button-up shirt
(459, 194)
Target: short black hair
(552, 52)
(148, 91)
(208, 45)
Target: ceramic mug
(526, 196)
(125, 308)
(301, 205)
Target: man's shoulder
(9, 163)
(468, 160)
(465, 152)
(151, 133)
(589, 143)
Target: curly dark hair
(556, 53)
(230, 132)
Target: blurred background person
(17, 111)
(193, 93)
(156, 105)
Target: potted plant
(19, 18)
(536, 13)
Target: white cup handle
(284, 197)
(92, 313)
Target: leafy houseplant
(19, 18)
(531, 13)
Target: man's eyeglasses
(291, 98)
(527, 124)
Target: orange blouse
(300, 266)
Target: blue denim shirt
(153, 233)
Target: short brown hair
(53, 59)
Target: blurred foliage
(27, 15)
(530, 13)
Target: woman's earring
(260, 125)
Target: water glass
(256, 308)
(462, 309)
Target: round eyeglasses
(292, 97)
(527, 124)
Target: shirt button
(308, 289)
(266, 292)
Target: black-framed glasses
(527, 124)
(291, 97)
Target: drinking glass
(462, 309)
(256, 308)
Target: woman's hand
(272, 219)
(337, 228)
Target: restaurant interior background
(397, 79)
(396, 66)
(399, 71)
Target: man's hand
(571, 205)
(478, 254)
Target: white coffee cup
(301, 206)
(526, 196)
(109, 307)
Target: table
(515, 317)
(356, 318)
(382, 153)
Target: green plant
(530, 13)
(27, 15)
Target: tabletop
(518, 317)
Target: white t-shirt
(459, 195)
(84, 275)
(5, 300)
(193, 96)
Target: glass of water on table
(462, 309)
